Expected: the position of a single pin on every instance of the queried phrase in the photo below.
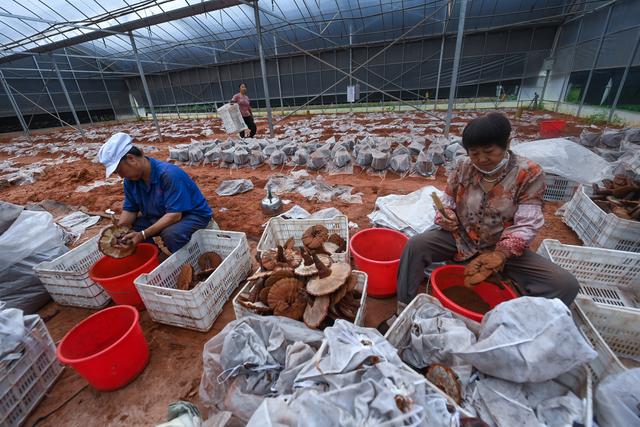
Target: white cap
(114, 150)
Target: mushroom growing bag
(528, 339)
(243, 363)
(617, 399)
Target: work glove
(483, 266)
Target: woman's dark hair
(134, 151)
(240, 85)
(492, 129)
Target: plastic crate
(597, 228)
(613, 332)
(578, 380)
(279, 230)
(199, 307)
(66, 278)
(25, 381)
(558, 188)
(361, 287)
(605, 275)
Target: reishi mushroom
(286, 299)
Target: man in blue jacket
(160, 199)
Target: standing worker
(244, 103)
(493, 202)
(160, 199)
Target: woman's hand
(483, 266)
(450, 224)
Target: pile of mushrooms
(207, 262)
(304, 283)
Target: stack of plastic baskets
(607, 309)
(25, 380)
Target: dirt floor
(175, 366)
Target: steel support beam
(263, 68)
(173, 94)
(75, 80)
(66, 95)
(106, 89)
(144, 85)
(552, 57)
(623, 80)
(53, 104)
(155, 19)
(595, 60)
(275, 57)
(456, 65)
(14, 104)
(573, 60)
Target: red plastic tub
(116, 275)
(377, 251)
(551, 128)
(453, 275)
(107, 348)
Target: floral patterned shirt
(505, 218)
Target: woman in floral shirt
(493, 202)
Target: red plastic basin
(453, 275)
(377, 251)
(107, 348)
(116, 275)
(551, 128)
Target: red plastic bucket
(116, 275)
(551, 128)
(107, 348)
(377, 251)
(453, 275)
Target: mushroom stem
(281, 257)
(323, 270)
(306, 256)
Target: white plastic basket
(199, 307)
(597, 228)
(231, 118)
(279, 230)
(614, 332)
(66, 278)
(24, 381)
(361, 287)
(559, 189)
(578, 380)
(605, 275)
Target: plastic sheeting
(310, 188)
(528, 339)
(31, 239)
(411, 214)
(617, 399)
(232, 187)
(563, 157)
(242, 364)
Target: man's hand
(450, 224)
(483, 266)
(132, 238)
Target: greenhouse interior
(320, 213)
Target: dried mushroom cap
(315, 236)
(277, 275)
(185, 277)
(290, 243)
(329, 279)
(112, 236)
(259, 275)
(286, 299)
(256, 307)
(308, 267)
(348, 286)
(280, 258)
(330, 248)
(446, 380)
(316, 311)
(263, 296)
(338, 241)
(209, 261)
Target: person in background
(494, 203)
(244, 103)
(160, 199)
